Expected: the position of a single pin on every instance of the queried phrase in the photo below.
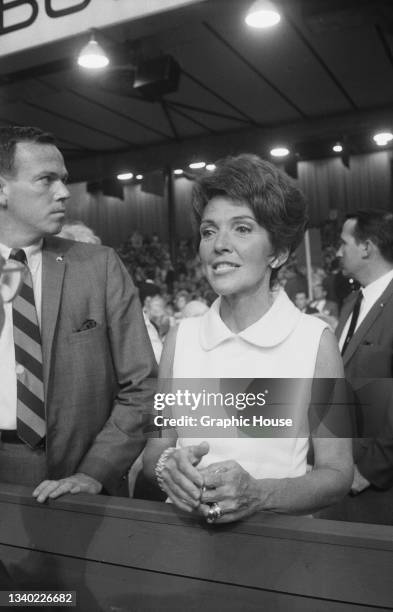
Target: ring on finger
(214, 513)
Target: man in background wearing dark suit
(365, 334)
(75, 357)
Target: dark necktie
(354, 320)
(31, 427)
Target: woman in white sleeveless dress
(251, 217)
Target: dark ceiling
(324, 73)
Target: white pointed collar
(270, 330)
(31, 251)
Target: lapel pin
(60, 258)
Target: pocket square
(88, 324)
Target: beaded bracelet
(161, 464)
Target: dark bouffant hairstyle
(278, 205)
(9, 138)
(377, 226)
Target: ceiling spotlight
(211, 167)
(139, 177)
(178, 171)
(383, 138)
(279, 152)
(262, 14)
(337, 148)
(125, 176)
(197, 165)
(93, 55)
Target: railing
(124, 554)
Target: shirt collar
(31, 250)
(266, 332)
(375, 289)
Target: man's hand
(77, 483)
(359, 482)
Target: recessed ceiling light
(383, 138)
(211, 167)
(262, 14)
(197, 165)
(178, 171)
(125, 176)
(337, 148)
(279, 152)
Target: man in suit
(73, 406)
(365, 334)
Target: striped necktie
(31, 427)
(354, 320)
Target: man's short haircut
(277, 203)
(10, 136)
(148, 289)
(377, 226)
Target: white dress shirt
(7, 349)
(319, 305)
(371, 293)
(155, 339)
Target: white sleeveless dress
(282, 344)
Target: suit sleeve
(375, 455)
(122, 438)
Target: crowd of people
(77, 365)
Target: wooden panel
(113, 549)
(108, 587)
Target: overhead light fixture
(262, 14)
(383, 138)
(211, 167)
(337, 148)
(93, 55)
(139, 177)
(125, 176)
(197, 165)
(178, 171)
(279, 152)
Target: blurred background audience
(171, 290)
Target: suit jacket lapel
(53, 268)
(367, 322)
(345, 312)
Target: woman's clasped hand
(179, 477)
(224, 484)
